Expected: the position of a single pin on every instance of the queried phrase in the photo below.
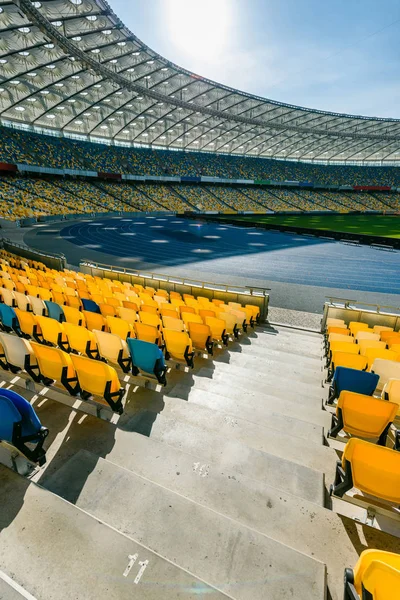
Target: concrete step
(272, 384)
(59, 552)
(259, 400)
(263, 438)
(291, 337)
(264, 370)
(257, 414)
(232, 455)
(248, 565)
(287, 331)
(283, 351)
(247, 361)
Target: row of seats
(25, 147)
(367, 410)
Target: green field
(381, 225)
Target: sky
(341, 56)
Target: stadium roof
(73, 66)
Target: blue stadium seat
(90, 305)
(352, 380)
(147, 358)
(20, 425)
(55, 311)
(9, 319)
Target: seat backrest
(177, 342)
(22, 301)
(128, 314)
(74, 316)
(78, 337)
(93, 375)
(191, 318)
(173, 323)
(339, 337)
(393, 340)
(90, 305)
(7, 296)
(149, 319)
(385, 369)
(355, 326)
(375, 469)
(217, 327)
(8, 316)
(366, 558)
(333, 321)
(344, 347)
(391, 391)
(145, 355)
(107, 310)
(231, 321)
(30, 421)
(186, 309)
(9, 415)
(365, 344)
(385, 335)
(367, 335)
(374, 353)
(27, 321)
(38, 306)
(52, 361)
(381, 581)
(149, 309)
(199, 334)
(119, 327)
(338, 329)
(365, 416)
(51, 329)
(94, 320)
(355, 381)
(380, 328)
(346, 359)
(15, 349)
(147, 333)
(109, 345)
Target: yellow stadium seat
(337, 329)
(53, 332)
(28, 324)
(365, 344)
(120, 327)
(201, 337)
(207, 313)
(112, 301)
(375, 576)
(355, 326)
(386, 335)
(98, 379)
(335, 322)
(373, 353)
(74, 302)
(372, 469)
(367, 335)
(241, 318)
(113, 349)
(255, 310)
(81, 340)
(128, 314)
(58, 297)
(160, 300)
(147, 333)
(363, 416)
(44, 294)
(152, 310)
(390, 341)
(131, 305)
(9, 284)
(56, 365)
(191, 318)
(173, 323)
(74, 316)
(339, 337)
(94, 320)
(186, 309)
(149, 319)
(169, 313)
(178, 346)
(231, 323)
(217, 327)
(107, 310)
(347, 359)
(380, 328)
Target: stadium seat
(149, 319)
(22, 301)
(346, 359)
(380, 328)
(74, 316)
(120, 327)
(191, 318)
(17, 354)
(107, 310)
(81, 340)
(341, 347)
(54, 311)
(231, 323)
(370, 468)
(149, 309)
(178, 346)
(334, 322)
(96, 378)
(338, 329)
(8, 296)
(373, 353)
(94, 320)
(363, 416)
(56, 365)
(393, 340)
(127, 314)
(355, 326)
(391, 391)
(352, 380)
(241, 317)
(147, 359)
(147, 333)
(131, 305)
(386, 335)
(201, 337)
(367, 335)
(114, 349)
(90, 306)
(19, 426)
(385, 369)
(53, 332)
(217, 328)
(173, 323)
(9, 319)
(376, 576)
(185, 309)
(38, 306)
(169, 313)
(74, 302)
(364, 345)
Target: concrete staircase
(218, 488)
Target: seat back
(355, 326)
(74, 316)
(107, 310)
(109, 345)
(217, 327)
(38, 306)
(391, 391)
(374, 353)
(9, 416)
(344, 347)
(93, 375)
(231, 321)
(367, 557)
(145, 355)
(119, 327)
(380, 328)
(367, 335)
(352, 361)
(51, 330)
(365, 416)
(8, 316)
(147, 333)
(152, 310)
(177, 343)
(366, 344)
(385, 369)
(79, 337)
(354, 380)
(173, 323)
(385, 335)
(52, 361)
(30, 421)
(199, 334)
(22, 301)
(381, 581)
(339, 337)
(338, 329)
(90, 305)
(94, 320)
(54, 311)
(375, 469)
(334, 322)
(16, 349)
(7, 296)
(149, 319)
(128, 314)
(191, 318)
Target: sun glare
(199, 28)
